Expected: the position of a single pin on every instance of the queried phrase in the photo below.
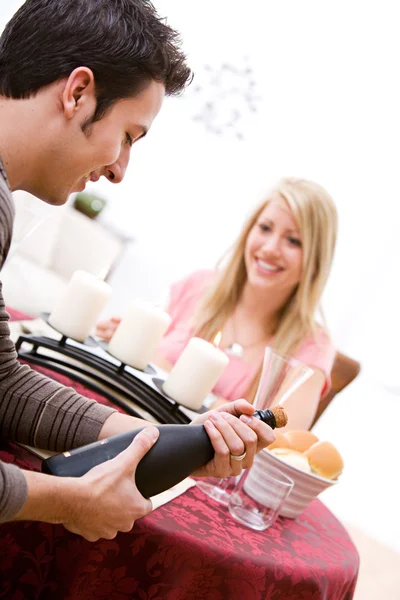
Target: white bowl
(307, 486)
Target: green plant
(90, 205)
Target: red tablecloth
(189, 549)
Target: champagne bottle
(179, 450)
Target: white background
(327, 77)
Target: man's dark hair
(124, 42)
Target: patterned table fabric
(188, 549)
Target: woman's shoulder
(317, 347)
(320, 337)
(189, 289)
(200, 276)
(318, 351)
(195, 281)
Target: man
(81, 81)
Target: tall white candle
(138, 334)
(79, 307)
(195, 373)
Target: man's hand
(97, 505)
(233, 436)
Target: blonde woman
(266, 294)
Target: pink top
(238, 375)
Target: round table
(188, 549)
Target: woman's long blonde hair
(315, 213)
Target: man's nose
(116, 172)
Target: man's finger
(237, 408)
(230, 435)
(264, 433)
(141, 444)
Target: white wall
(327, 75)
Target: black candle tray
(136, 392)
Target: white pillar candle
(195, 373)
(138, 334)
(79, 307)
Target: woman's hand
(232, 436)
(106, 329)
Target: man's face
(79, 156)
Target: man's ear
(79, 93)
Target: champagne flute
(280, 377)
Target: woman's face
(273, 252)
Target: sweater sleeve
(40, 412)
(34, 409)
(13, 491)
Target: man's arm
(231, 428)
(97, 505)
(40, 412)
(37, 411)
(91, 505)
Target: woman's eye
(264, 227)
(294, 242)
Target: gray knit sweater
(34, 410)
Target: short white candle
(195, 373)
(138, 334)
(79, 307)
